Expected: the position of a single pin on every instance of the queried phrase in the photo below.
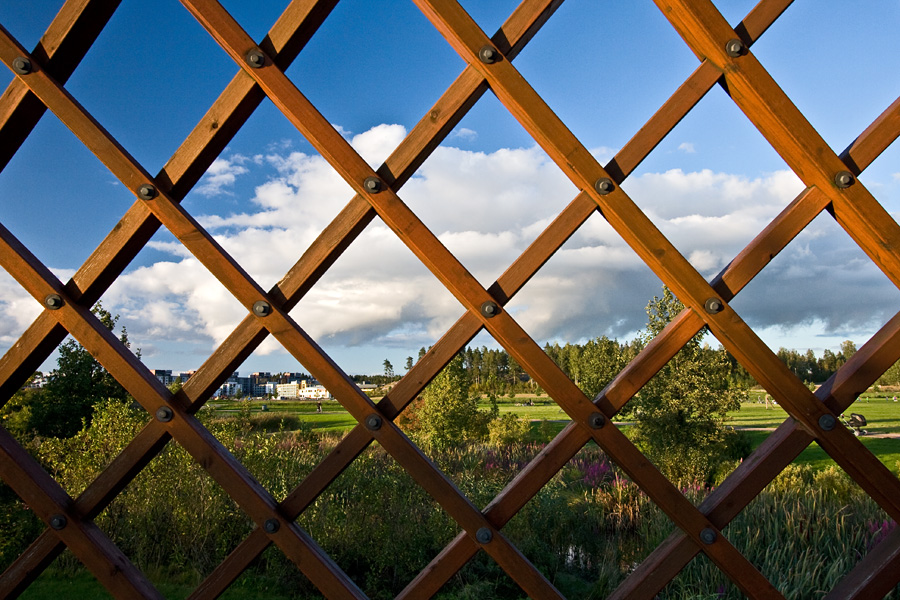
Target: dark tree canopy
(77, 384)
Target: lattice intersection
(831, 181)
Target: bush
(508, 429)
(585, 530)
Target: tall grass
(586, 530)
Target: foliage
(585, 530)
(508, 429)
(77, 384)
(680, 414)
(16, 415)
(447, 414)
(811, 369)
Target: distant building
(38, 381)
(165, 376)
(306, 389)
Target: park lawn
(887, 451)
(882, 416)
(543, 409)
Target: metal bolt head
(604, 185)
(484, 535)
(53, 301)
(262, 308)
(488, 55)
(164, 414)
(735, 48)
(373, 185)
(844, 179)
(58, 522)
(713, 306)
(22, 65)
(827, 422)
(147, 192)
(708, 536)
(373, 422)
(271, 525)
(255, 58)
(596, 420)
(490, 309)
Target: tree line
(691, 395)
(593, 364)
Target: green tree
(409, 363)
(680, 413)
(176, 385)
(600, 360)
(388, 369)
(848, 349)
(16, 414)
(77, 384)
(447, 414)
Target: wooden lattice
(725, 58)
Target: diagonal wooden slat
(60, 50)
(449, 109)
(751, 88)
(156, 399)
(806, 153)
(754, 473)
(233, 107)
(44, 496)
(397, 216)
(207, 250)
(668, 264)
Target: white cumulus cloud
(486, 208)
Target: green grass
(81, 585)
(882, 416)
(887, 451)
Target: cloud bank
(486, 208)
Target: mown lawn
(883, 416)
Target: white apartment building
(306, 389)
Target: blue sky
(373, 70)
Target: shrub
(508, 429)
